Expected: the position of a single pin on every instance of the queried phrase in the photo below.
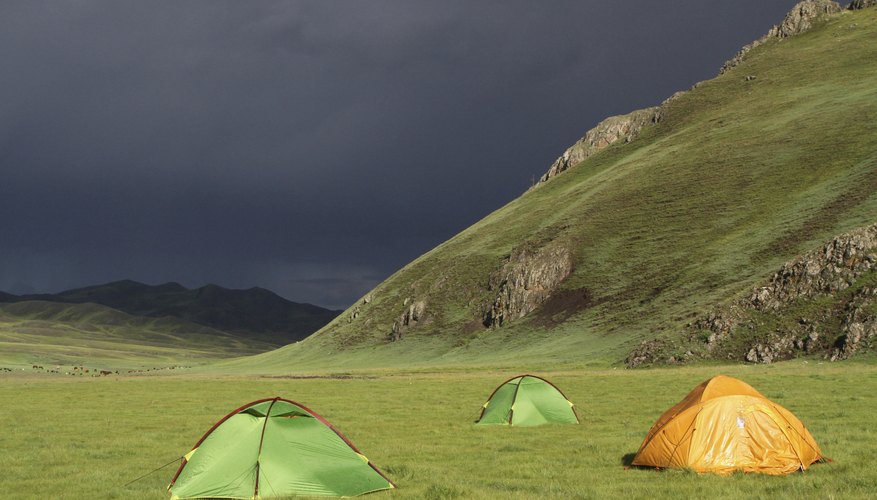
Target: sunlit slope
(254, 313)
(50, 333)
(740, 175)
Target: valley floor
(86, 438)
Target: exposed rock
(678, 94)
(801, 18)
(810, 342)
(654, 351)
(647, 353)
(719, 323)
(414, 314)
(859, 326)
(823, 272)
(775, 348)
(353, 314)
(357, 311)
(829, 269)
(525, 281)
(861, 4)
(611, 130)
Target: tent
(724, 425)
(527, 400)
(274, 447)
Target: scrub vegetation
(71, 439)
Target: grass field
(86, 438)
(54, 334)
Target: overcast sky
(308, 147)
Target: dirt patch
(474, 326)
(562, 304)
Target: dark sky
(308, 147)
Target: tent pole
(261, 440)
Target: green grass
(86, 438)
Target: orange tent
(724, 425)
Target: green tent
(274, 447)
(527, 400)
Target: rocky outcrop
(414, 313)
(611, 130)
(626, 128)
(801, 18)
(859, 327)
(861, 4)
(525, 281)
(357, 310)
(821, 303)
(825, 272)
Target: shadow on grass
(627, 459)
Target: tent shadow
(627, 459)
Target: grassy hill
(742, 173)
(254, 313)
(51, 333)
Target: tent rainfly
(724, 425)
(274, 448)
(527, 400)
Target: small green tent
(527, 400)
(271, 448)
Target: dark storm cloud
(308, 147)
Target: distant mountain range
(255, 313)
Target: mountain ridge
(629, 126)
(255, 312)
(741, 173)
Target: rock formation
(827, 270)
(820, 303)
(611, 130)
(413, 314)
(800, 19)
(802, 16)
(525, 281)
(824, 272)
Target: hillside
(255, 313)
(739, 174)
(52, 333)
